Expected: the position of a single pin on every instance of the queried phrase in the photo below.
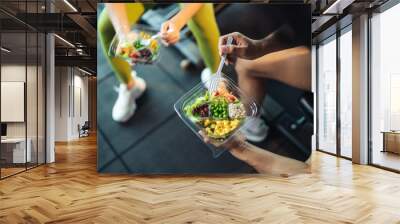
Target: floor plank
(71, 191)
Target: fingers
(234, 50)
(168, 33)
(164, 28)
(165, 32)
(236, 142)
(205, 138)
(222, 43)
(240, 137)
(232, 53)
(228, 51)
(171, 39)
(225, 49)
(230, 59)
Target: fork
(214, 81)
(148, 41)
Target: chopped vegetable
(219, 109)
(220, 128)
(201, 110)
(219, 113)
(236, 110)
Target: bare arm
(170, 30)
(278, 40)
(267, 162)
(262, 160)
(119, 18)
(250, 49)
(186, 13)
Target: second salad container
(142, 47)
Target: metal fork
(148, 41)
(215, 79)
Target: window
(385, 87)
(346, 92)
(327, 95)
(22, 79)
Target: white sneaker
(255, 129)
(205, 76)
(140, 85)
(125, 106)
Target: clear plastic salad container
(141, 47)
(217, 115)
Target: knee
(243, 68)
(103, 25)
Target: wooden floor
(5, 172)
(71, 191)
(8, 171)
(387, 159)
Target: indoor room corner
(75, 101)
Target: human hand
(242, 47)
(126, 38)
(123, 40)
(263, 161)
(170, 32)
(236, 145)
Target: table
(391, 141)
(15, 148)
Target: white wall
(16, 72)
(84, 85)
(10, 73)
(61, 103)
(71, 93)
(33, 127)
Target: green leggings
(203, 25)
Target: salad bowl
(216, 116)
(141, 47)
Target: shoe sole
(128, 117)
(257, 139)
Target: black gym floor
(155, 140)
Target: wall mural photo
(193, 88)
